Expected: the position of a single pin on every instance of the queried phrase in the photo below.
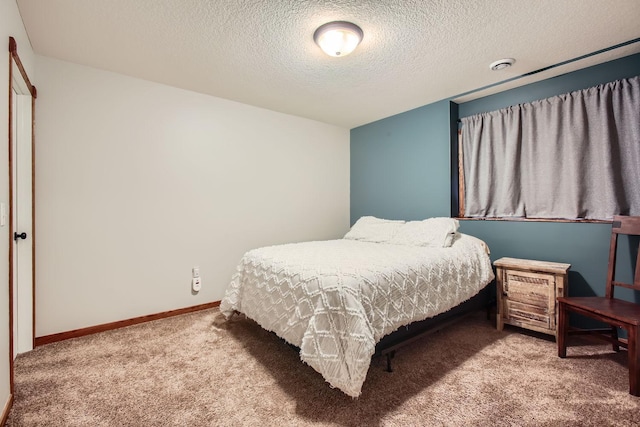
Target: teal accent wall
(402, 167)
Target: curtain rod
(578, 58)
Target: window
(570, 157)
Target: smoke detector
(501, 64)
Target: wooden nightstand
(527, 292)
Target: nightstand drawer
(530, 288)
(527, 314)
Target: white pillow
(432, 232)
(372, 229)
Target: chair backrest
(629, 225)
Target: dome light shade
(338, 38)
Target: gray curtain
(573, 156)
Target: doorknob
(17, 236)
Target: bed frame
(388, 345)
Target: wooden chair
(616, 313)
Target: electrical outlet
(195, 272)
(196, 284)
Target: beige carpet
(199, 370)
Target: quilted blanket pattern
(336, 299)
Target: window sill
(514, 219)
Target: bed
(335, 300)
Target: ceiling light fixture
(338, 38)
(501, 64)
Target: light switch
(3, 214)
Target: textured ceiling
(262, 53)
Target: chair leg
(562, 330)
(634, 360)
(614, 335)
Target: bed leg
(390, 356)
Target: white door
(22, 238)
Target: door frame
(14, 61)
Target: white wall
(10, 26)
(138, 182)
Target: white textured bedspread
(336, 299)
